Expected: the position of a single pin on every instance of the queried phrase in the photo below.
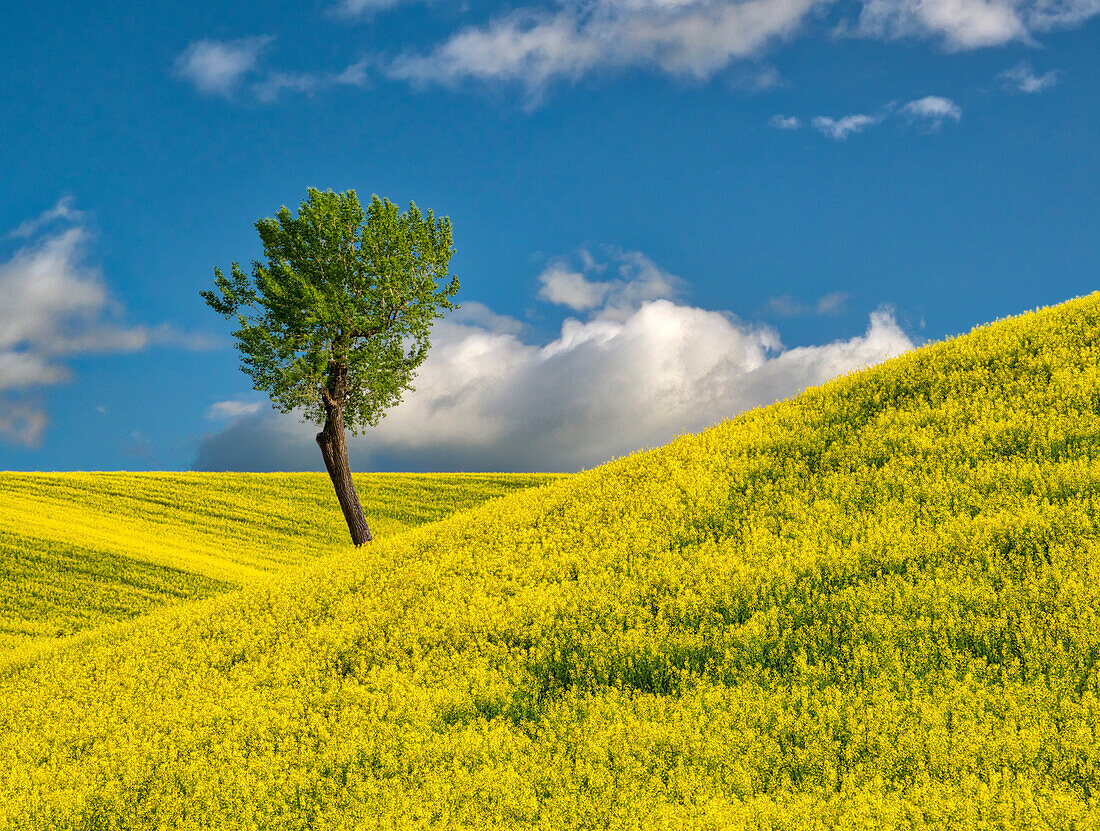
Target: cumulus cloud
(637, 279)
(56, 306)
(565, 287)
(1022, 78)
(933, 110)
(634, 372)
(472, 313)
(45, 286)
(838, 129)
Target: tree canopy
(342, 308)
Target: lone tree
(337, 320)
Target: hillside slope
(78, 550)
(875, 605)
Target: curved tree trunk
(334, 448)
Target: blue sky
(665, 211)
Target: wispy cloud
(362, 8)
(533, 46)
(219, 67)
(57, 306)
(827, 304)
(1022, 78)
(838, 129)
(970, 24)
(933, 110)
(831, 303)
(224, 410)
(235, 67)
(786, 122)
(21, 422)
(637, 368)
(62, 210)
(269, 88)
(536, 45)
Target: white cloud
(221, 68)
(637, 372)
(637, 280)
(1022, 78)
(971, 24)
(62, 210)
(359, 8)
(564, 287)
(933, 109)
(533, 46)
(353, 75)
(544, 42)
(839, 129)
(787, 306)
(218, 67)
(21, 370)
(224, 410)
(472, 313)
(962, 24)
(45, 287)
(831, 303)
(273, 83)
(1047, 15)
(57, 306)
(22, 423)
(786, 122)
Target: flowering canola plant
(874, 605)
(79, 550)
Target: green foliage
(341, 291)
(142, 540)
(875, 605)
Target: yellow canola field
(79, 550)
(876, 605)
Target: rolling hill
(874, 605)
(79, 550)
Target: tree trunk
(334, 448)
